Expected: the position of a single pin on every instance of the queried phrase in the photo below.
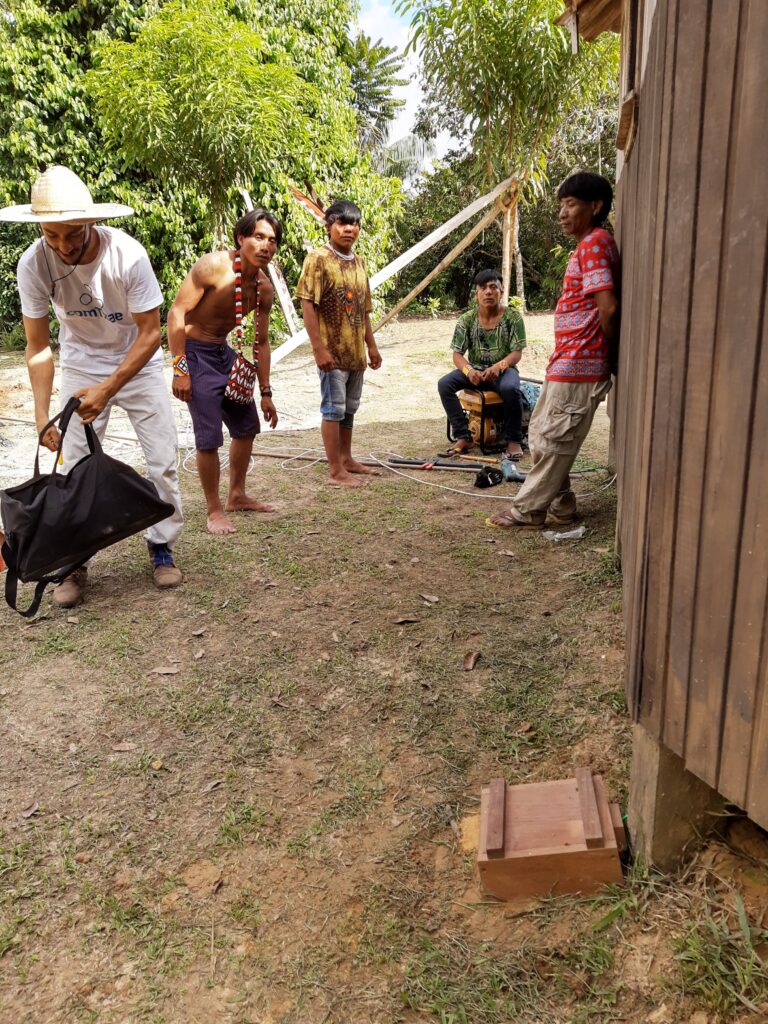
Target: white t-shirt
(94, 302)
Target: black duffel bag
(54, 523)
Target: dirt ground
(253, 800)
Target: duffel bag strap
(12, 585)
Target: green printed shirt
(483, 348)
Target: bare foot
(514, 450)
(242, 503)
(357, 467)
(219, 523)
(345, 479)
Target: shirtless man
(201, 317)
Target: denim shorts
(340, 392)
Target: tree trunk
(507, 231)
(519, 279)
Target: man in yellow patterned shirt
(336, 304)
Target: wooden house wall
(691, 415)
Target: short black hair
(246, 226)
(484, 276)
(589, 188)
(343, 210)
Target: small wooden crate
(549, 837)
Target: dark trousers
(507, 385)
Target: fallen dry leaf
(405, 619)
(199, 654)
(507, 554)
(157, 765)
(335, 637)
(429, 598)
(166, 670)
(325, 656)
(211, 785)
(123, 748)
(73, 620)
(199, 632)
(470, 660)
(33, 808)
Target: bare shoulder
(266, 289)
(210, 268)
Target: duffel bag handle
(65, 416)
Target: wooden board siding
(691, 422)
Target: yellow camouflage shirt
(339, 290)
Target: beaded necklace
(238, 268)
(346, 256)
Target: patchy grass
(274, 722)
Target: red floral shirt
(581, 348)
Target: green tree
(197, 99)
(510, 75)
(253, 96)
(375, 70)
(584, 141)
(512, 81)
(46, 118)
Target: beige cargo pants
(558, 427)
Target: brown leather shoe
(166, 577)
(70, 591)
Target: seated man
(493, 338)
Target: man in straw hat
(107, 300)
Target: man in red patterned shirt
(579, 371)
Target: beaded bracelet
(180, 367)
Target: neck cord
(238, 268)
(62, 277)
(342, 256)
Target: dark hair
(343, 210)
(246, 226)
(484, 276)
(589, 188)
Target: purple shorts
(209, 367)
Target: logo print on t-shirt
(89, 300)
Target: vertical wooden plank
(744, 765)
(652, 199)
(644, 198)
(694, 467)
(672, 329)
(590, 816)
(497, 802)
(729, 434)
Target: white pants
(147, 403)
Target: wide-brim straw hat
(59, 196)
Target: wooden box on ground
(548, 837)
